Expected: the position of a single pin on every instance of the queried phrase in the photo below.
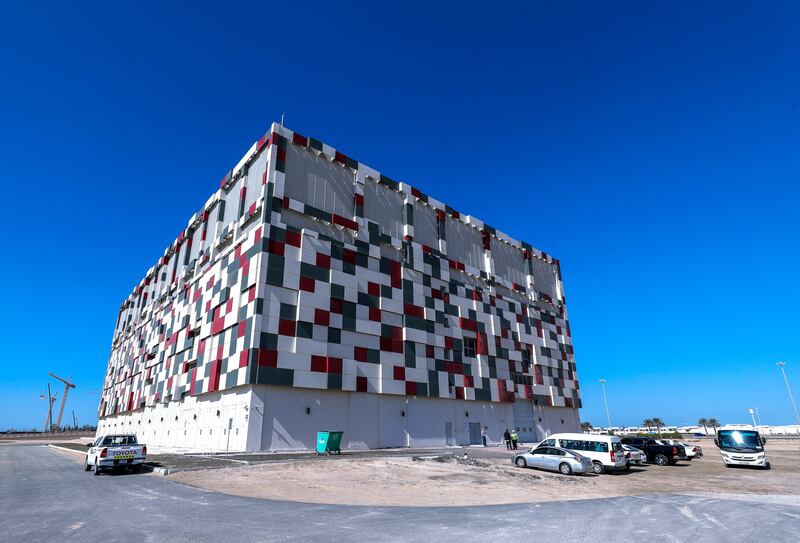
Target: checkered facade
(308, 286)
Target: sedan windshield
(740, 440)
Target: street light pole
(605, 401)
(789, 390)
(753, 415)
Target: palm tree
(714, 423)
(648, 423)
(704, 423)
(586, 426)
(659, 424)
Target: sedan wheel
(564, 468)
(520, 462)
(662, 460)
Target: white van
(606, 452)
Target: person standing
(483, 435)
(507, 439)
(514, 438)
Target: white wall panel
(544, 276)
(385, 207)
(299, 220)
(318, 182)
(508, 262)
(464, 243)
(425, 227)
(232, 203)
(255, 175)
(197, 236)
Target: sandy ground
(405, 481)
(44, 439)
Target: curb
(65, 449)
(146, 468)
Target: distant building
(311, 292)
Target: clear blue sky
(651, 146)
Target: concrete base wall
(292, 417)
(192, 424)
(556, 420)
(275, 418)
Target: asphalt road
(46, 496)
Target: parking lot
(487, 477)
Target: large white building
(311, 292)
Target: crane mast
(67, 385)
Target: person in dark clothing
(507, 438)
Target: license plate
(123, 456)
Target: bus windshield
(740, 440)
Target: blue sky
(652, 148)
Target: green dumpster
(329, 442)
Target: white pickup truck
(116, 451)
(692, 451)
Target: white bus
(741, 445)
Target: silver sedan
(554, 459)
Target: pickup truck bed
(115, 452)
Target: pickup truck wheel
(96, 470)
(136, 468)
(597, 467)
(564, 468)
(86, 465)
(520, 462)
(662, 460)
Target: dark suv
(656, 452)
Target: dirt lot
(44, 438)
(488, 477)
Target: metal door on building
(525, 421)
(448, 434)
(475, 433)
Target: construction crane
(48, 420)
(67, 385)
